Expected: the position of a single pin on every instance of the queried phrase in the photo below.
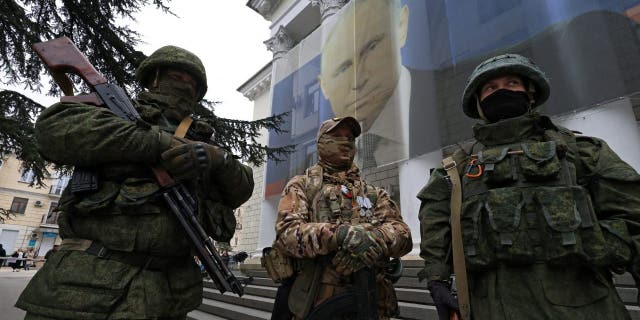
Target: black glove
(192, 159)
(443, 299)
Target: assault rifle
(61, 57)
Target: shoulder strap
(314, 181)
(182, 129)
(459, 264)
(313, 184)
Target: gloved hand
(443, 299)
(346, 264)
(192, 159)
(365, 245)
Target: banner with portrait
(400, 68)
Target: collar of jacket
(350, 175)
(512, 130)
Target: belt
(144, 261)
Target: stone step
(420, 296)
(623, 280)
(199, 315)
(417, 311)
(232, 311)
(247, 300)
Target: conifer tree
(96, 27)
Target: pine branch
(16, 133)
(5, 215)
(241, 136)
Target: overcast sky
(226, 35)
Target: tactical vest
(338, 203)
(522, 204)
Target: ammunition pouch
(306, 287)
(278, 266)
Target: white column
(414, 174)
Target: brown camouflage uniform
(308, 219)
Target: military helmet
(501, 65)
(172, 56)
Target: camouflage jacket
(126, 214)
(529, 248)
(305, 227)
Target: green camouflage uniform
(312, 207)
(541, 228)
(127, 214)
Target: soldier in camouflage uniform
(124, 255)
(332, 216)
(546, 214)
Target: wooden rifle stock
(61, 57)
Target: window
(52, 215)
(27, 176)
(58, 185)
(19, 205)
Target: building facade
(32, 223)
(590, 51)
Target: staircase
(413, 297)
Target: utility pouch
(305, 288)
(499, 168)
(100, 202)
(138, 196)
(540, 162)
(563, 243)
(478, 254)
(278, 266)
(504, 209)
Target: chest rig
(522, 204)
(339, 200)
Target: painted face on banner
(361, 60)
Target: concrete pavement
(11, 285)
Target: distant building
(33, 222)
(590, 51)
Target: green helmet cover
(502, 65)
(175, 57)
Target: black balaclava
(505, 104)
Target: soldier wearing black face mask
(545, 216)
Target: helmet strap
(155, 79)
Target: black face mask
(505, 104)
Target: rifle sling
(459, 265)
(182, 129)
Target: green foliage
(5, 215)
(240, 136)
(98, 30)
(16, 132)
